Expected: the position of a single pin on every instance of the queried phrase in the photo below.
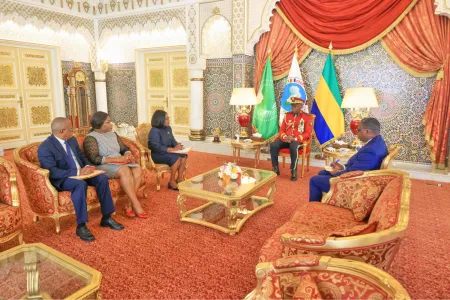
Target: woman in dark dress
(162, 143)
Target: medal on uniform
(168, 132)
(301, 126)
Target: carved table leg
(181, 204)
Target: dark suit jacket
(368, 157)
(53, 157)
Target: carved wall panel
(156, 78)
(6, 75)
(9, 117)
(180, 77)
(36, 76)
(41, 115)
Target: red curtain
(281, 41)
(348, 24)
(421, 42)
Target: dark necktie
(72, 163)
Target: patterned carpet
(163, 258)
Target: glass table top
(210, 182)
(47, 272)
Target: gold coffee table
(36, 271)
(226, 209)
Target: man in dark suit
(62, 156)
(369, 157)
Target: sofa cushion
(66, 204)
(270, 288)
(363, 200)
(322, 210)
(356, 230)
(271, 249)
(387, 207)
(344, 189)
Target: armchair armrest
(303, 239)
(136, 149)
(301, 260)
(9, 196)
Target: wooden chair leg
(303, 163)
(21, 238)
(307, 161)
(158, 183)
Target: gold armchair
(392, 154)
(323, 277)
(12, 191)
(141, 135)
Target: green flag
(265, 117)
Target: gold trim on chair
(141, 135)
(15, 200)
(371, 274)
(392, 154)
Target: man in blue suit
(62, 156)
(369, 157)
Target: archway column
(196, 65)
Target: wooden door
(26, 96)
(167, 87)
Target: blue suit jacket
(53, 157)
(368, 157)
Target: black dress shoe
(294, 175)
(111, 223)
(84, 234)
(276, 170)
(172, 188)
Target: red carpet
(164, 258)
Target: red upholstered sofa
(363, 217)
(315, 277)
(44, 199)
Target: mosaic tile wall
(86, 67)
(121, 93)
(218, 87)
(402, 97)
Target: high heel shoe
(172, 188)
(129, 213)
(143, 215)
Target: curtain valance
(351, 25)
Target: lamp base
(243, 133)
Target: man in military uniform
(295, 129)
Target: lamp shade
(244, 96)
(360, 97)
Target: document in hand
(93, 174)
(185, 150)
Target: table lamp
(244, 98)
(358, 99)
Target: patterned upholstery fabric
(363, 200)
(307, 289)
(386, 209)
(321, 228)
(44, 199)
(357, 230)
(10, 220)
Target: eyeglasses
(359, 130)
(68, 129)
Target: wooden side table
(238, 145)
(331, 156)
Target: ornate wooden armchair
(141, 134)
(363, 217)
(323, 277)
(45, 201)
(392, 154)
(303, 152)
(12, 192)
